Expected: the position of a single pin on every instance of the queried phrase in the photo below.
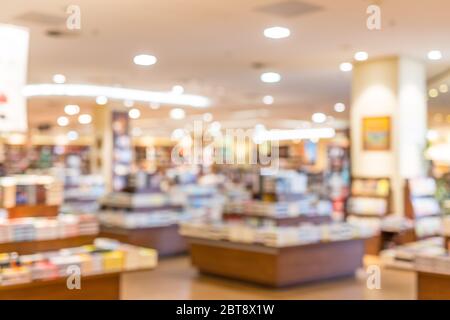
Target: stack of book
(103, 256)
(63, 226)
(272, 236)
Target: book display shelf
(422, 207)
(275, 257)
(369, 203)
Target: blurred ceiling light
(134, 113)
(59, 78)
(81, 90)
(434, 55)
(72, 135)
(277, 32)
(145, 60)
(346, 67)
(319, 117)
(128, 103)
(177, 89)
(71, 109)
(215, 126)
(296, 134)
(433, 93)
(268, 100)
(62, 121)
(177, 114)
(443, 88)
(432, 135)
(101, 100)
(339, 107)
(361, 56)
(85, 118)
(207, 117)
(177, 134)
(270, 77)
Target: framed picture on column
(376, 133)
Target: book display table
(277, 267)
(165, 239)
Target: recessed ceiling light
(346, 67)
(339, 107)
(268, 100)
(62, 121)
(85, 118)
(59, 78)
(215, 127)
(72, 109)
(435, 55)
(361, 56)
(443, 88)
(207, 117)
(128, 103)
(432, 135)
(270, 77)
(72, 135)
(177, 114)
(433, 93)
(101, 100)
(319, 117)
(145, 60)
(177, 89)
(178, 134)
(277, 32)
(134, 113)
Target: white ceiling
(211, 46)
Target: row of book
(272, 236)
(309, 205)
(136, 220)
(63, 226)
(30, 190)
(104, 256)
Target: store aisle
(175, 278)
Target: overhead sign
(13, 76)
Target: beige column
(101, 155)
(393, 87)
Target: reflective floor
(175, 278)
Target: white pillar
(393, 87)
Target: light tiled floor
(175, 278)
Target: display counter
(277, 266)
(433, 286)
(165, 239)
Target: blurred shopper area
(195, 149)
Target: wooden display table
(281, 221)
(166, 239)
(30, 247)
(38, 210)
(104, 286)
(277, 267)
(433, 286)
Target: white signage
(13, 76)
